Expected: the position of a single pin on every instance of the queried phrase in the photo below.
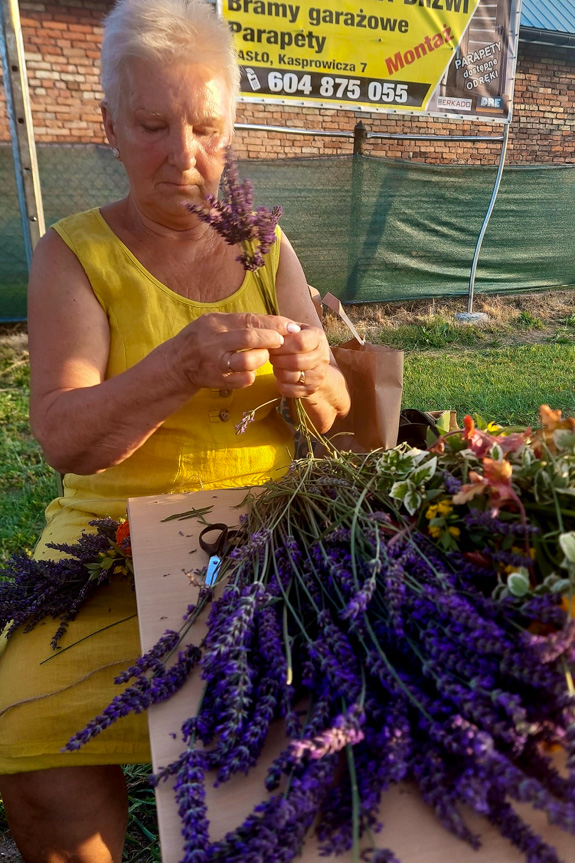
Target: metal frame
(21, 126)
(486, 220)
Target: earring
(115, 153)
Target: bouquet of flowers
(498, 499)
(418, 604)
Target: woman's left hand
(301, 363)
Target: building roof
(550, 20)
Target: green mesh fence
(72, 179)
(368, 229)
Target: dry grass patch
(514, 318)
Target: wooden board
(163, 555)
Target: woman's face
(172, 129)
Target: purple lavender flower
(346, 730)
(234, 218)
(247, 418)
(550, 647)
(31, 590)
(152, 660)
(504, 817)
(360, 601)
(452, 484)
(190, 797)
(381, 855)
(436, 786)
(144, 692)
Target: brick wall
(62, 40)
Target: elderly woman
(148, 341)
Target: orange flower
(496, 480)
(481, 442)
(498, 476)
(551, 422)
(438, 447)
(123, 537)
(477, 486)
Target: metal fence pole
(356, 202)
(21, 127)
(487, 217)
(359, 139)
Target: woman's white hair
(165, 31)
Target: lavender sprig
(31, 590)
(234, 218)
(136, 698)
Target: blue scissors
(217, 549)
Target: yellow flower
(434, 531)
(444, 508)
(565, 604)
(431, 511)
(454, 531)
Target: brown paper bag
(374, 375)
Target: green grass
(506, 385)
(142, 839)
(527, 321)
(26, 482)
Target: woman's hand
(226, 350)
(301, 363)
(304, 365)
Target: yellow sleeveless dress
(43, 705)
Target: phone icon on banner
(253, 79)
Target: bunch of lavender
(234, 218)
(31, 590)
(408, 670)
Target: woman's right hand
(225, 350)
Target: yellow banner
(373, 54)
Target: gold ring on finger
(228, 362)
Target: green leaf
(500, 592)
(564, 439)
(455, 443)
(400, 490)
(496, 452)
(567, 543)
(447, 541)
(416, 455)
(518, 583)
(551, 580)
(567, 491)
(412, 501)
(424, 472)
(442, 422)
